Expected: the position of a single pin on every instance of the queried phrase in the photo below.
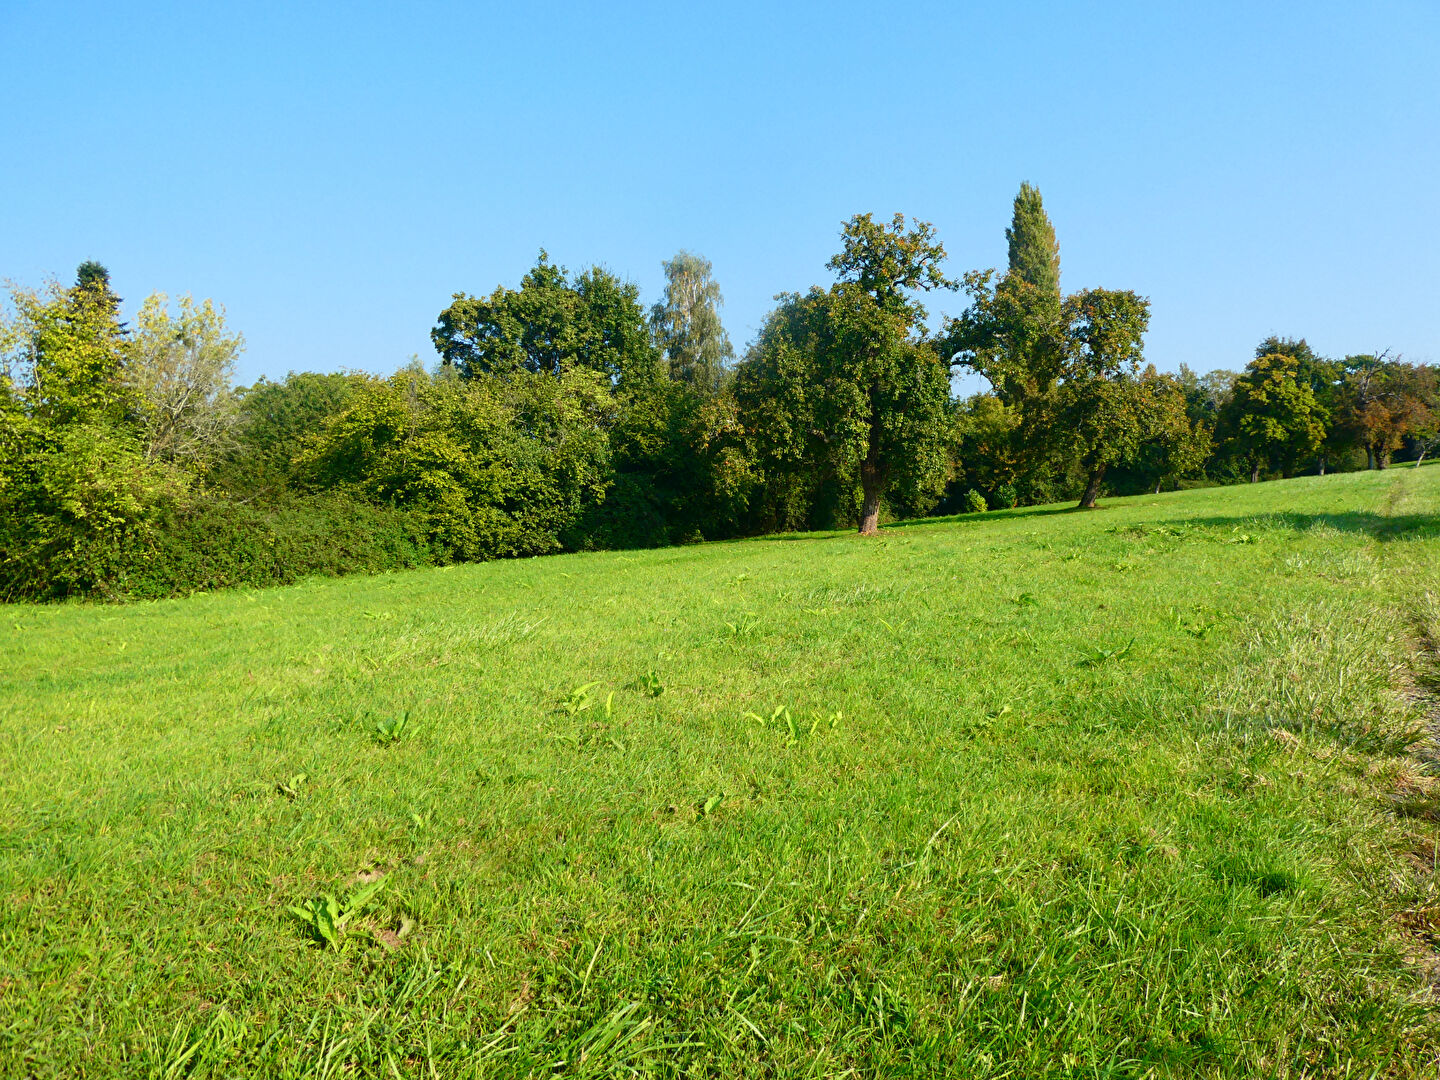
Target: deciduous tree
(687, 325)
(78, 500)
(862, 383)
(1384, 401)
(68, 355)
(498, 466)
(1175, 445)
(1012, 331)
(1033, 251)
(182, 365)
(1425, 431)
(550, 325)
(1101, 408)
(1273, 415)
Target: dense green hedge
(218, 543)
(215, 542)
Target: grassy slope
(999, 860)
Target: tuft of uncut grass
(1028, 793)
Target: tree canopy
(1101, 407)
(550, 325)
(848, 377)
(1273, 416)
(1034, 254)
(687, 326)
(564, 415)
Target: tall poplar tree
(1012, 333)
(1034, 253)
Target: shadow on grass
(948, 519)
(991, 515)
(1379, 526)
(795, 538)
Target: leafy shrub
(679, 471)
(216, 543)
(78, 509)
(975, 502)
(496, 466)
(272, 423)
(1006, 496)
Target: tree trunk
(872, 479)
(1369, 456)
(1322, 466)
(870, 509)
(1382, 459)
(1157, 487)
(1420, 459)
(1255, 473)
(1092, 489)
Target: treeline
(562, 415)
(1072, 410)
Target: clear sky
(332, 173)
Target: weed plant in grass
(1027, 793)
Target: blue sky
(332, 174)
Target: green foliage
(680, 470)
(1424, 427)
(1174, 446)
(776, 396)
(582, 698)
(1206, 395)
(328, 917)
(1069, 405)
(93, 276)
(551, 425)
(1074, 405)
(78, 499)
(891, 262)
(272, 422)
(551, 325)
(847, 380)
(79, 508)
(391, 729)
(975, 502)
(496, 466)
(1094, 655)
(213, 542)
(67, 354)
(687, 325)
(1102, 409)
(1033, 251)
(1012, 333)
(989, 452)
(1273, 416)
(181, 367)
(1381, 403)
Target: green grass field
(1032, 793)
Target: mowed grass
(1031, 793)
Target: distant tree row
(1071, 408)
(1291, 411)
(564, 415)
